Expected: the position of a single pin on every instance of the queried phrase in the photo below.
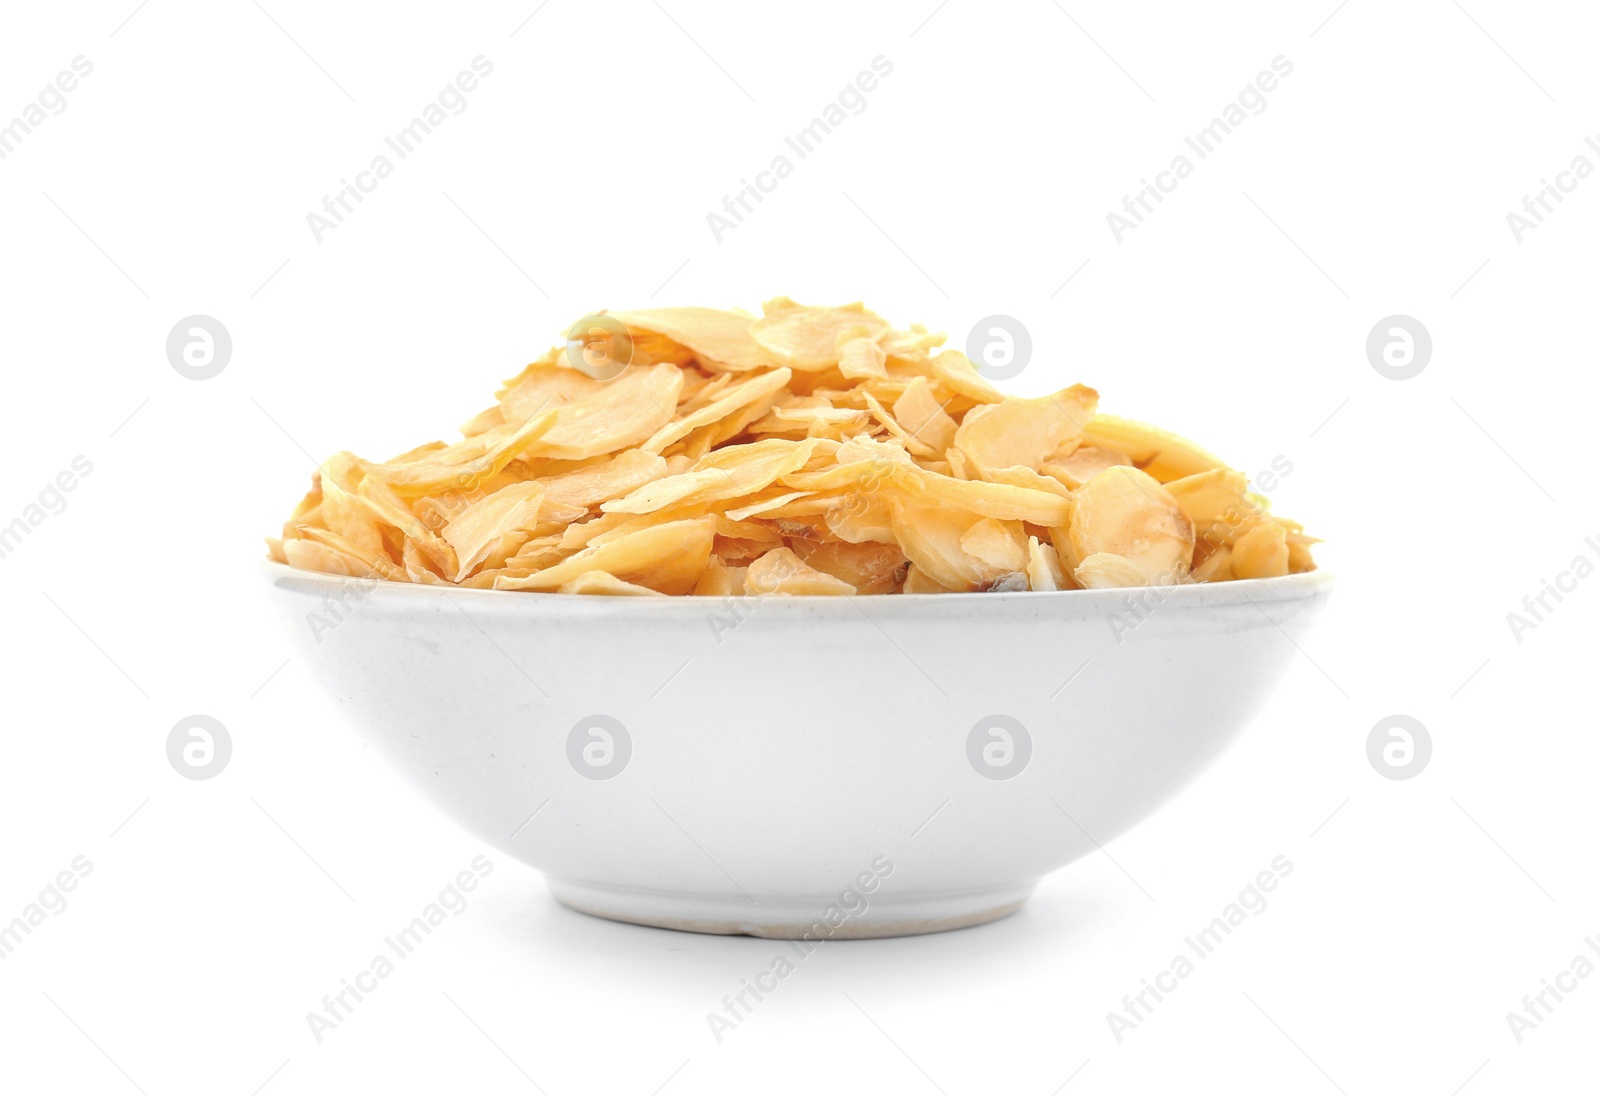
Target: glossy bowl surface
(797, 767)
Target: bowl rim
(1192, 595)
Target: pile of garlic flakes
(807, 451)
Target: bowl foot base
(801, 918)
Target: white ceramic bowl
(797, 767)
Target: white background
(1377, 181)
